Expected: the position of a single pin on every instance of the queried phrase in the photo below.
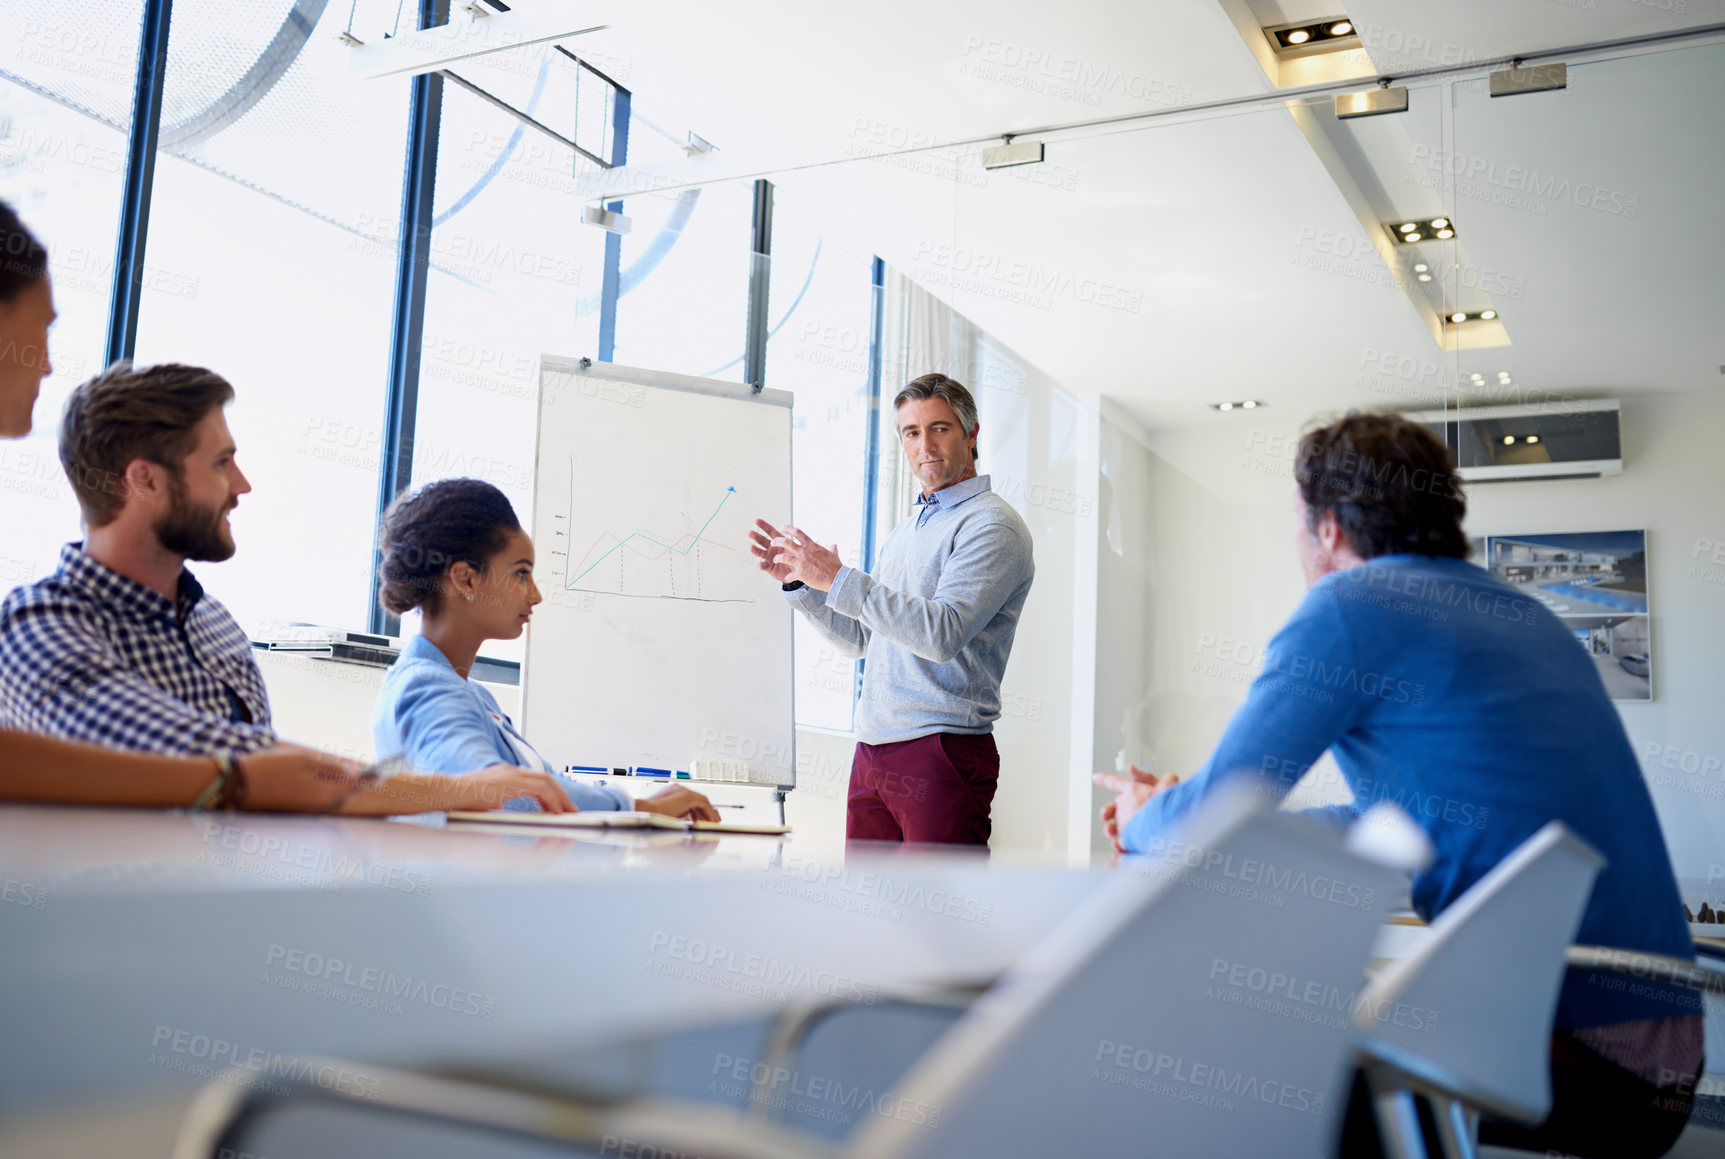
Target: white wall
(324, 703)
(1126, 555)
(1222, 577)
(1038, 444)
(1673, 484)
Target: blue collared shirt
(931, 505)
(937, 617)
(1441, 688)
(87, 654)
(439, 721)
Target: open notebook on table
(612, 819)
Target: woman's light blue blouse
(438, 721)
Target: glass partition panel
(273, 225)
(684, 283)
(818, 348)
(1599, 203)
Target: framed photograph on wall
(1596, 583)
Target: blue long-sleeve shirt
(1443, 689)
(936, 619)
(439, 721)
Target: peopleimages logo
(1481, 171)
(328, 972)
(1347, 678)
(884, 888)
(1308, 1000)
(760, 974)
(814, 1096)
(1207, 1084)
(1028, 277)
(207, 1055)
(1252, 871)
(269, 855)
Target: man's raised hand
(763, 546)
(811, 563)
(790, 555)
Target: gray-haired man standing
(934, 622)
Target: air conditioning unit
(1574, 439)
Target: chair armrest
(233, 1103)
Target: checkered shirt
(87, 654)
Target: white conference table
(142, 952)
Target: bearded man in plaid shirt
(121, 646)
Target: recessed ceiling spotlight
(1458, 317)
(1249, 404)
(1488, 315)
(1425, 277)
(1408, 232)
(1245, 404)
(1509, 440)
(1224, 406)
(1479, 378)
(1313, 36)
(1533, 438)
(1421, 268)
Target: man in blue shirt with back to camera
(1437, 686)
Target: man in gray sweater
(934, 624)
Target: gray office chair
(1139, 1021)
(1705, 1135)
(1429, 1027)
(866, 1048)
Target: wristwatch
(791, 587)
(228, 790)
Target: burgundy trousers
(934, 789)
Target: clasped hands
(790, 555)
(1131, 792)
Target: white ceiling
(1245, 252)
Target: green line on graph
(695, 539)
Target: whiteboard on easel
(660, 641)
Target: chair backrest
(1197, 1005)
(848, 1053)
(1470, 1011)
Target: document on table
(612, 819)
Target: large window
(684, 282)
(273, 248)
(515, 274)
(819, 315)
(273, 228)
(66, 83)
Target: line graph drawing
(650, 561)
(658, 623)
